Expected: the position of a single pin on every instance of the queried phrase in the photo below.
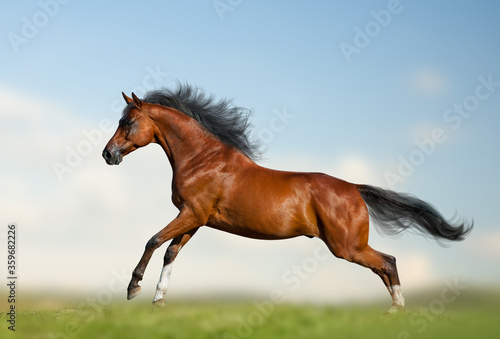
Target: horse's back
(263, 203)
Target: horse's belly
(262, 225)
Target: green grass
(244, 319)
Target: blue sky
(359, 116)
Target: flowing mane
(227, 122)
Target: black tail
(396, 212)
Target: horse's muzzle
(112, 157)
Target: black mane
(227, 122)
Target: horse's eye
(128, 122)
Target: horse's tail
(395, 212)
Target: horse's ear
(127, 99)
(137, 101)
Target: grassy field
(471, 318)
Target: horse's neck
(183, 139)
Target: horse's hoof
(395, 309)
(160, 303)
(134, 292)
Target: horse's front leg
(184, 223)
(168, 261)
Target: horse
(217, 183)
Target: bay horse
(217, 183)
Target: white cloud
(416, 271)
(485, 244)
(15, 105)
(356, 169)
(429, 82)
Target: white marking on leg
(398, 298)
(162, 286)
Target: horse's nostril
(106, 154)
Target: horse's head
(135, 129)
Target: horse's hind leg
(168, 261)
(384, 266)
(351, 243)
